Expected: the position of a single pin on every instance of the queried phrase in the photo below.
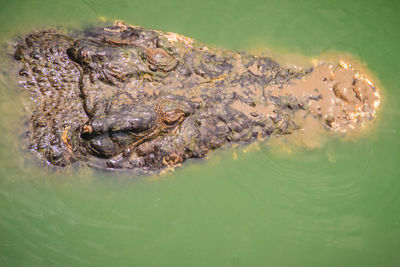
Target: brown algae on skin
(347, 99)
(343, 97)
(126, 97)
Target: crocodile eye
(161, 59)
(173, 116)
(172, 111)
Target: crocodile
(127, 97)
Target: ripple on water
(316, 193)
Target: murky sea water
(262, 205)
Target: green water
(338, 205)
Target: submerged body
(125, 97)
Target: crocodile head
(151, 102)
(125, 97)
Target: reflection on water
(262, 205)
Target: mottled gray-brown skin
(125, 97)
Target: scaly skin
(125, 97)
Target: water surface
(337, 205)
